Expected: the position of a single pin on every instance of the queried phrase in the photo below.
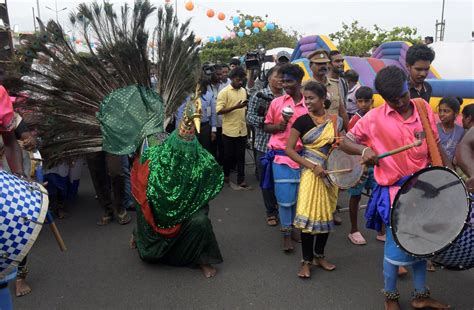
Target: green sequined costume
(183, 178)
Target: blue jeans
(390, 274)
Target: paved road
(99, 271)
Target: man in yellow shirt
(231, 104)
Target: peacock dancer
(102, 101)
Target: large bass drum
(23, 208)
(431, 215)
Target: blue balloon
(218, 39)
(236, 20)
(211, 39)
(240, 34)
(256, 30)
(270, 26)
(248, 23)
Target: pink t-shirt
(278, 140)
(383, 129)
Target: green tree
(226, 49)
(356, 40)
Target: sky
(305, 17)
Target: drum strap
(433, 149)
(336, 132)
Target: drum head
(339, 160)
(429, 211)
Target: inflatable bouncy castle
(387, 54)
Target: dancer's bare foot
(305, 270)
(392, 305)
(22, 287)
(208, 270)
(321, 262)
(421, 303)
(133, 244)
(402, 271)
(287, 243)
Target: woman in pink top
(387, 127)
(285, 172)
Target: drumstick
(339, 171)
(57, 235)
(400, 149)
(55, 230)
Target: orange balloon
(255, 24)
(189, 6)
(221, 16)
(261, 24)
(210, 13)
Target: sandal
(244, 186)
(272, 221)
(357, 238)
(124, 219)
(104, 220)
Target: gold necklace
(318, 119)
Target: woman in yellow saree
(317, 198)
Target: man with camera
(253, 63)
(231, 104)
(257, 110)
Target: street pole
(443, 23)
(34, 19)
(38, 8)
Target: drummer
(14, 159)
(392, 125)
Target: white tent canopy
(454, 60)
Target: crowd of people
(291, 126)
(333, 110)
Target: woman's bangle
(363, 151)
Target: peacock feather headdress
(87, 102)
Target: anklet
(391, 295)
(425, 294)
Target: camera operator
(256, 84)
(257, 109)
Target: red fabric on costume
(139, 182)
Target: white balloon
(248, 32)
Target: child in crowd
(364, 101)
(449, 133)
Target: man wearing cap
(254, 85)
(282, 57)
(319, 61)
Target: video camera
(208, 69)
(254, 59)
(263, 107)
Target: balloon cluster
(250, 27)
